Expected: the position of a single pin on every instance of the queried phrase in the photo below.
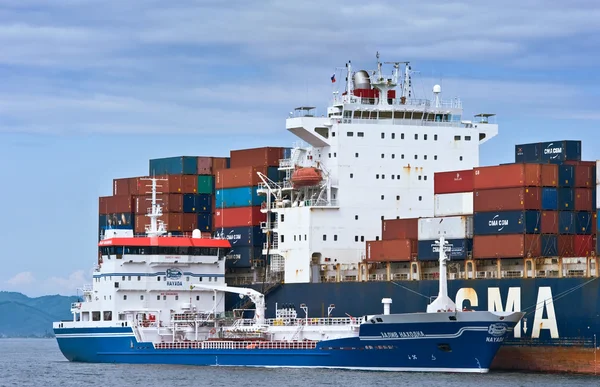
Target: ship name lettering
(494, 339)
(174, 283)
(396, 335)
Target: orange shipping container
(506, 246)
(168, 202)
(507, 176)
(173, 221)
(238, 217)
(171, 184)
(400, 229)
(204, 165)
(398, 250)
(115, 204)
(256, 157)
(238, 177)
(219, 163)
(121, 186)
(549, 175)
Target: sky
(90, 90)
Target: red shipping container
(172, 184)
(238, 177)
(238, 217)
(507, 199)
(400, 229)
(566, 245)
(168, 202)
(507, 176)
(549, 222)
(506, 246)
(121, 187)
(585, 176)
(398, 250)
(549, 175)
(114, 204)
(583, 199)
(173, 221)
(256, 157)
(453, 182)
(583, 245)
(219, 163)
(205, 165)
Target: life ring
(213, 331)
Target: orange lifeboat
(305, 177)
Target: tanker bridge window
(425, 157)
(401, 136)
(424, 137)
(416, 136)
(360, 134)
(435, 137)
(335, 237)
(435, 157)
(350, 134)
(461, 158)
(393, 136)
(457, 138)
(393, 156)
(382, 135)
(467, 138)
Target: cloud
(27, 284)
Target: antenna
(156, 227)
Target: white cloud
(27, 284)
(22, 279)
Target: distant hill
(22, 316)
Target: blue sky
(90, 90)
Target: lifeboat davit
(305, 177)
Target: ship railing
(512, 274)
(319, 203)
(285, 163)
(318, 321)
(226, 344)
(419, 102)
(88, 288)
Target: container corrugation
(180, 165)
(168, 202)
(584, 200)
(114, 204)
(583, 245)
(507, 222)
(206, 184)
(549, 245)
(242, 256)
(204, 222)
(453, 182)
(583, 222)
(559, 151)
(566, 199)
(256, 157)
(549, 222)
(585, 176)
(400, 228)
(121, 187)
(396, 250)
(170, 184)
(453, 204)
(242, 236)
(507, 176)
(549, 175)
(459, 249)
(451, 227)
(244, 176)
(507, 199)
(238, 197)
(122, 220)
(506, 246)
(197, 203)
(566, 176)
(219, 163)
(528, 153)
(238, 217)
(173, 221)
(566, 245)
(203, 165)
(566, 222)
(549, 199)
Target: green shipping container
(206, 184)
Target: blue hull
(574, 310)
(444, 347)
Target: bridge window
(362, 238)
(158, 298)
(402, 157)
(398, 177)
(95, 316)
(383, 176)
(141, 297)
(397, 197)
(282, 238)
(382, 196)
(356, 238)
(350, 134)
(355, 217)
(356, 154)
(456, 138)
(335, 237)
(377, 176)
(393, 136)
(124, 296)
(197, 298)
(324, 237)
(107, 316)
(393, 156)
(460, 158)
(351, 176)
(435, 157)
(382, 155)
(435, 137)
(382, 135)
(401, 136)
(416, 136)
(467, 138)
(424, 137)
(425, 157)
(360, 134)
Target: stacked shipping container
(398, 244)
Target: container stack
(238, 214)
(398, 243)
(597, 212)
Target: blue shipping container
(460, 248)
(242, 256)
(549, 199)
(506, 222)
(583, 222)
(566, 222)
(566, 199)
(528, 153)
(197, 203)
(238, 197)
(242, 236)
(566, 176)
(182, 165)
(549, 245)
(559, 151)
(205, 222)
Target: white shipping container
(597, 197)
(453, 204)
(597, 172)
(451, 227)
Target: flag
(333, 78)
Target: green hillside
(22, 316)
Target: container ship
(351, 213)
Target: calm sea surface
(38, 362)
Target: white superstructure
(376, 158)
